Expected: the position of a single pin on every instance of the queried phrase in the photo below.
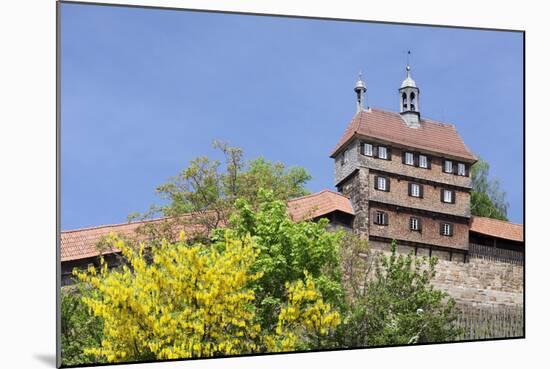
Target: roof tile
(432, 136)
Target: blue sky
(145, 91)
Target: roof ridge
(112, 225)
(497, 220)
(317, 194)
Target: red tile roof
(388, 126)
(82, 243)
(318, 204)
(497, 228)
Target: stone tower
(407, 177)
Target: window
(461, 169)
(380, 218)
(447, 196)
(415, 224)
(382, 152)
(367, 149)
(448, 166)
(422, 161)
(345, 157)
(415, 190)
(409, 158)
(381, 183)
(446, 229)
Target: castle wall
(395, 165)
(476, 282)
(398, 228)
(431, 200)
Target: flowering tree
(181, 301)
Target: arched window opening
(404, 101)
(413, 102)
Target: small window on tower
(404, 101)
(409, 158)
(380, 218)
(448, 166)
(412, 101)
(414, 224)
(344, 158)
(461, 169)
(382, 152)
(367, 149)
(423, 161)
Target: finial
(408, 68)
(360, 85)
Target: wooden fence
(490, 322)
(492, 253)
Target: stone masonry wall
(477, 282)
(395, 165)
(356, 187)
(398, 228)
(431, 200)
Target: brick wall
(398, 228)
(396, 166)
(431, 201)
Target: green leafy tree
(287, 249)
(208, 190)
(79, 328)
(184, 301)
(398, 305)
(487, 199)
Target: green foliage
(185, 301)
(487, 199)
(399, 306)
(287, 249)
(209, 189)
(79, 328)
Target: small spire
(360, 90)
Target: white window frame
(382, 149)
(345, 157)
(382, 180)
(368, 149)
(413, 192)
(415, 224)
(380, 215)
(461, 169)
(447, 199)
(422, 163)
(446, 229)
(448, 166)
(409, 158)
